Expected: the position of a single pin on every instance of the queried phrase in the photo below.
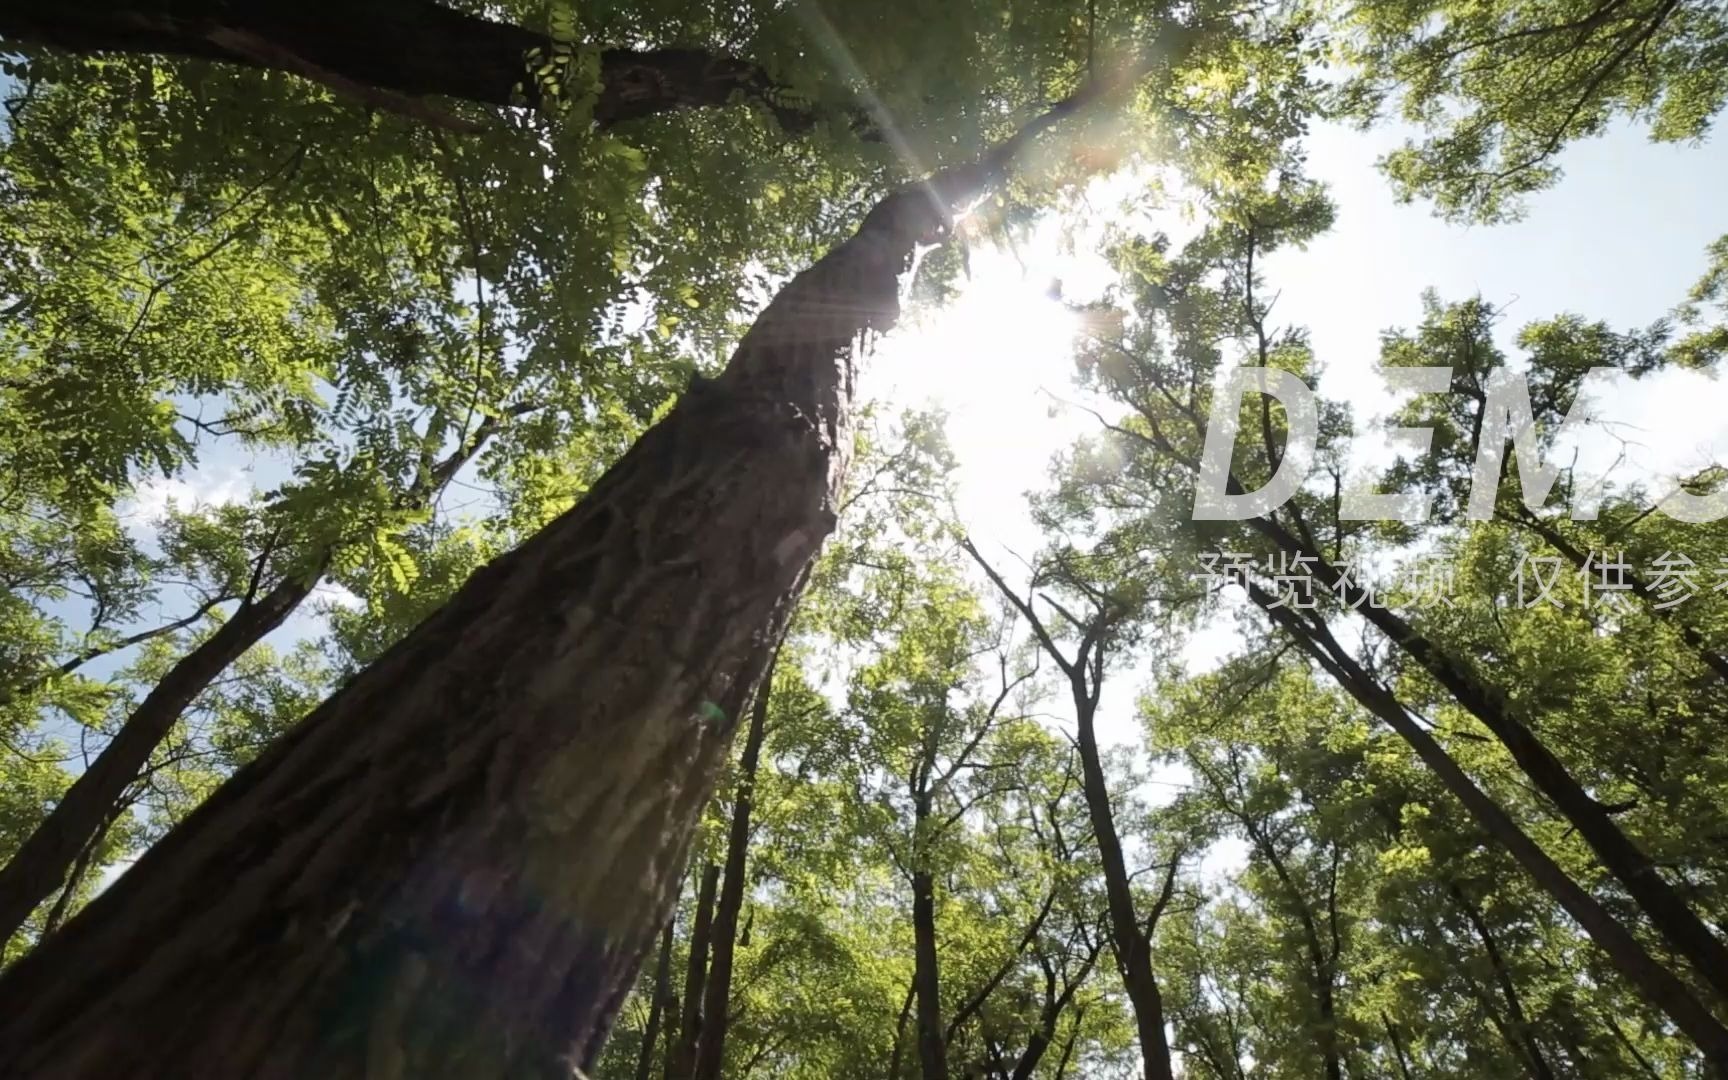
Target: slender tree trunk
(1515, 1015)
(1632, 1048)
(717, 996)
(1518, 1035)
(1050, 1016)
(75, 879)
(1130, 941)
(1658, 985)
(1322, 962)
(1068, 1045)
(42, 862)
(900, 1031)
(926, 972)
(1491, 1007)
(656, 1007)
(1037, 1045)
(1678, 924)
(1132, 944)
(932, 1054)
(1397, 1046)
(464, 854)
(682, 1064)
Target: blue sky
(1620, 238)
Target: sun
(998, 360)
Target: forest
(665, 540)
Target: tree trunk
(1132, 944)
(1050, 1015)
(1678, 924)
(1491, 1009)
(682, 1064)
(717, 996)
(900, 1031)
(388, 53)
(75, 880)
(926, 971)
(1526, 1042)
(1658, 985)
(1037, 1045)
(42, 862)
(1397, 1046)
(932, 1054)
(1068, 1045)
(1322, 961)
(455, 864)
(656, 1007)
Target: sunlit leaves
(1501, 88)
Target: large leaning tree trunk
(391, 53)
(454, 866)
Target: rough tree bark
(717, 994)
(455, 865)
(391, 52)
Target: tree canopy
(452, 557)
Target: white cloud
(208, 485)
(329, 593)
